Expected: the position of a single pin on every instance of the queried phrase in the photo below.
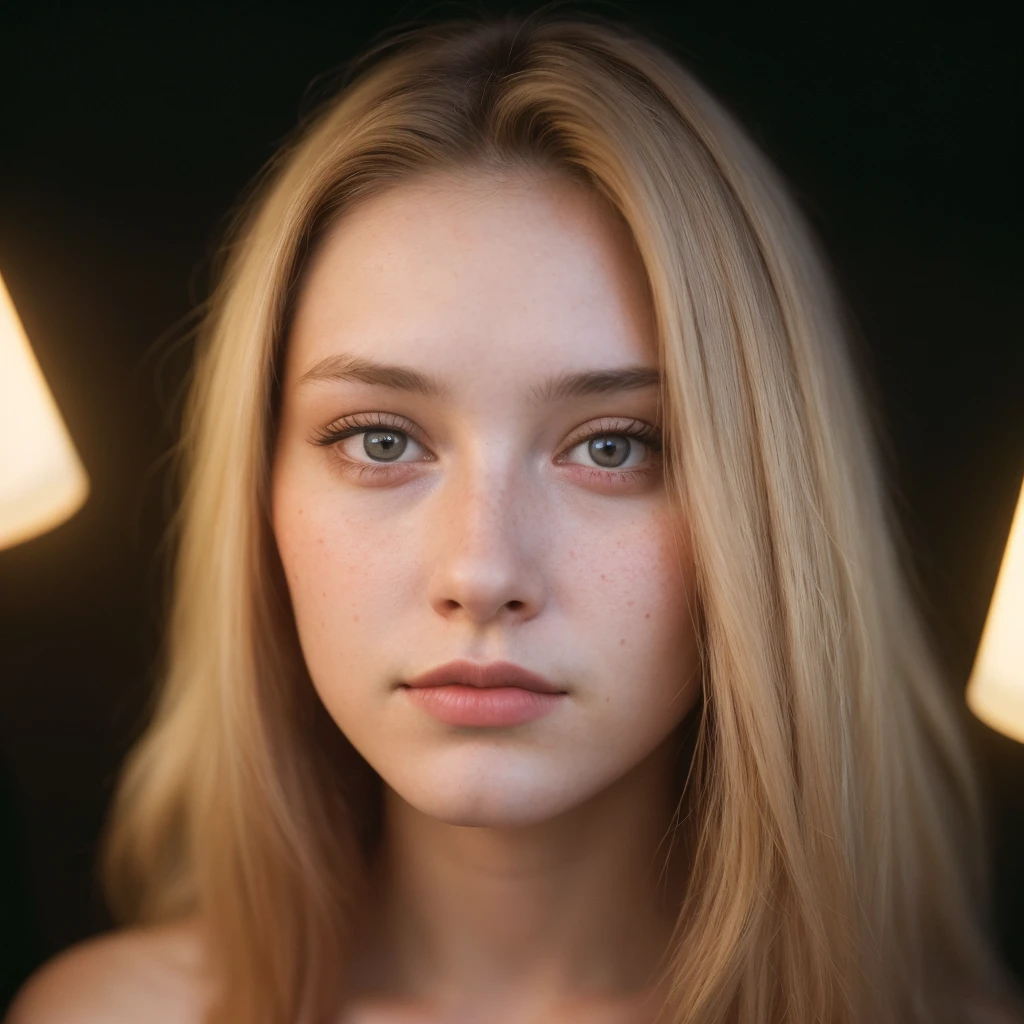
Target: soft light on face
(474, 510)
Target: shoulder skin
(138, 974)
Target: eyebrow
(402, 378)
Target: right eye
(384, 440)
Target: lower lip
(482, 706)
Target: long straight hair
(834, 855)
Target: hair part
(829, 822)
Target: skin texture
(517, 865)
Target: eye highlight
(610, 443)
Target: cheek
(337, 573)
(636, 589)
(634, 603)
(341, 581)
(356, 587)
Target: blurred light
(995, 692)
(42, 481)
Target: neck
(575, 908)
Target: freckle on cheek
(647, 615)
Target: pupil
(384, 444)
(611, 451)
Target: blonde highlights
(831, 826)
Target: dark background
(125, 138)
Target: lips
(493, 675)
(501, 694)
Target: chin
(488, 812)
(483, 802)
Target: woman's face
(460, 475)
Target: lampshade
(995, 692)
(42, 481)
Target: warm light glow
(42, 481)
(995, 692)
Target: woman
(540, 647)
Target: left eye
(611, 451)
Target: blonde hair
(835, 871)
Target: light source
(42, 481)
(995, 691)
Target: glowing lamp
(42, 481)
(995, 692)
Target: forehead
(516, 273)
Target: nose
(487, 527)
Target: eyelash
(361, 423)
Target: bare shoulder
(139, 974)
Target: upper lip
(497, 673)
